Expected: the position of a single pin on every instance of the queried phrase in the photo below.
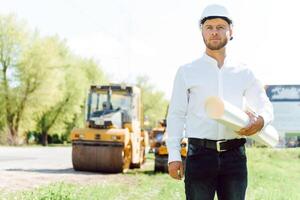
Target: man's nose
(214, 32)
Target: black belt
(218, 145)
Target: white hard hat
(215, 11)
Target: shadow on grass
(149, 172)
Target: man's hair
(202, 21)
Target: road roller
(112, 140)
(156, 136)
(160, 149)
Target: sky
(130, 38)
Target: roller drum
(98, 157)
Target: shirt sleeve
(258, 100)
(176, 116)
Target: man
(213, 166)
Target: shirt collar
(214, 61)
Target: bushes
(33, 137)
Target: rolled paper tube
(235, 119)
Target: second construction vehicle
(158, 143)
(112, 140)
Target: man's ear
(230, 33)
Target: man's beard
(216, 47)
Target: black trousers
(208, 172)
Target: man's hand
(176, 170)
(255, 125)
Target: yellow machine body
(158, 137)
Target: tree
(13, 36)
(63, 116)
(30, 77)
(154, 103)
(42, 84)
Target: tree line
(43, 85)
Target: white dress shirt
(200, 79)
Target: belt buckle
(219, 146)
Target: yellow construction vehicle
(112, 140)
(156, 136)
(160, 148)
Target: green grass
(273, 175)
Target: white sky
(143, 37)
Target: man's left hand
(256, 123)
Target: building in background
(286, 103)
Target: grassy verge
(273, 175)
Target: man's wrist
(261, 121)
(174, 156)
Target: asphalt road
(35, 158)
(25, 168)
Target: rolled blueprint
(234, 118)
